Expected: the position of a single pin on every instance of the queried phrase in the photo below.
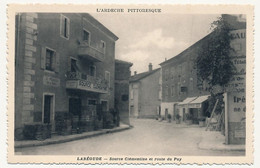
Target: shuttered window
(50, 60)
(49, 63)
(64, 27)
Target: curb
(220, 148)
(43, 143)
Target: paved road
(148, 137)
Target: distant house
(144, 94)
(122, 76)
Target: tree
(214, 64)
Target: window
(166, 90)
(86, 36)
(92, 70)
(49, 61)
(191, 84)
(103, 46)
(172, 90)
(132, 94)
(124, 97)
(172, 72)
(73, 67)
(166, 74)
(92, 102)
(107, 77)
(64, 27)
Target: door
(131, 111)
(75, 106)
(104, 105)
(48, 111)
(75, 110)
(166, 113)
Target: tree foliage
(213, 62)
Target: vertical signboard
(236, 91)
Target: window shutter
(61, 25)
(43, 57)
(68, 28)
(57, 61)
(69, 64)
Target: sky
(145, 39)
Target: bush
(169, 116)
(37, 131)
(29, 132)
(177, 117)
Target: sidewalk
(214, 140)
(55, 139)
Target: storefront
(196, 107)
(183, 107)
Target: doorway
(131, 111)
(166, 113)
(75, 110)
(48, 110)
(104, 105)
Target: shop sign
(195, 105)
(71, 84)
(51, 81)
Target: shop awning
(196, 103)
(187, 100)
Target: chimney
(150, 67)
(135, 73)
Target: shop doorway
(195, 113)
(75, 110)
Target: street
(147, 137)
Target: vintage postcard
(130, 84)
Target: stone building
(180, 85)
(122, 75)
(64, 68)
(144, 94)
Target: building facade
(122, 76)
(144, 94)
(64, 66)
(183, 93)
(179, 82)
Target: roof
(187, 49)
(200, 99)
(140, 76)
(233, 25)
(187, 100)
(123, 62)
(100, 26)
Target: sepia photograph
(129, 84)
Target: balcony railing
(81, 81)
(90, 53)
